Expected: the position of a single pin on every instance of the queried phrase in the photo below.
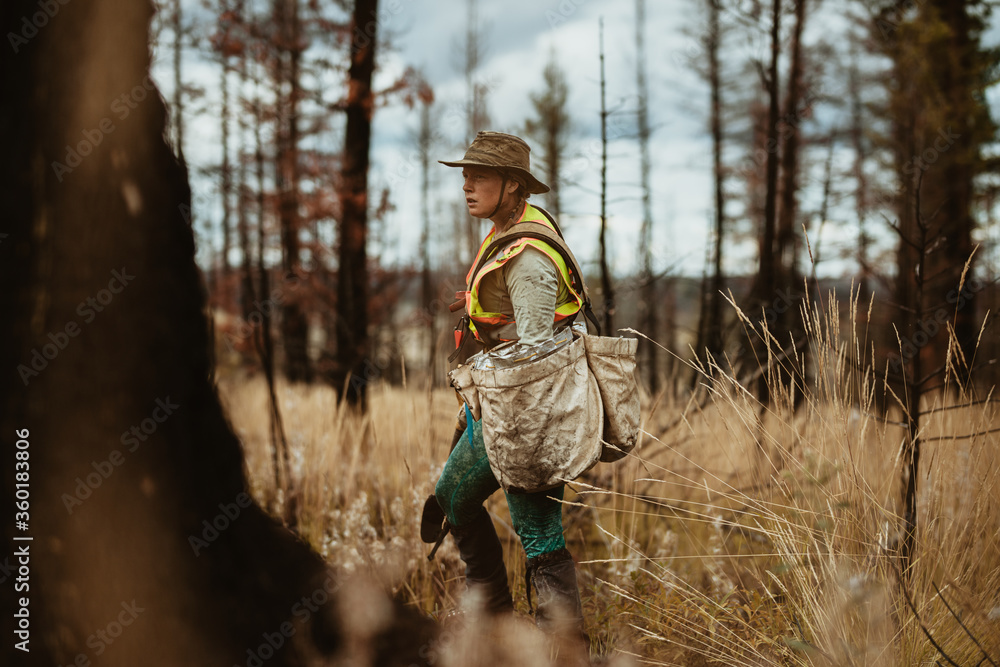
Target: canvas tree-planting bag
(542, 420)
(612, 362)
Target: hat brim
(533, 185)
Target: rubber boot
(482, 552)
(559, 611)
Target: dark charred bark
(786, 240)
(788, 324)
(113, 230)
(713, 317)
(766, 283)
(354, 366)
(294, 323)
(949, 192)
(243, 198)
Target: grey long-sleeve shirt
(529, 288)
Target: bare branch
(962, 625)
(916, 615)
(967, 436)
(955, 407)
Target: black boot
(482, 552)
(559, 612)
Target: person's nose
(467, 186)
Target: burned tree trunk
(425, 140)
(138, 505)
(607, 289)
(766, 281)
(861, 205)
(648, 296)
(294, 323)
(353, 364)
(710, 343)
(788, 326)
(786, 241)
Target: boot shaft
(559, 609)
(480, 549)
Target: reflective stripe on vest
(490, 320)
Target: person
(525, 294)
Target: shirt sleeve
(533, 284)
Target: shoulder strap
(548, 216)
(540, 232)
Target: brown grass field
(732, 535)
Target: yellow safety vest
(481, 320)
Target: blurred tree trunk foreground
(98, 264)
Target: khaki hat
(501, 151)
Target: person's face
(482, 189)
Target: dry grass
(734, 535)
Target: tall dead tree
(766, 280)
(550, 127)
(288, 93)
(226, 45)
(263, 335)
(226, 180)
(786, 237)
(353, 350)
(710, 343)
(114, 410)
(177, 109)
(648, 300)
(425, 144)
(788, 327)
(859, 145)
(476, 119)
(607, 289)
(246, 297)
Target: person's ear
(512, 186)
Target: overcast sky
(518, 37)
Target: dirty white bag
(612, 362)
(543, 419)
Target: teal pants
(467, 481)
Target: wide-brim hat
(501, 151)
